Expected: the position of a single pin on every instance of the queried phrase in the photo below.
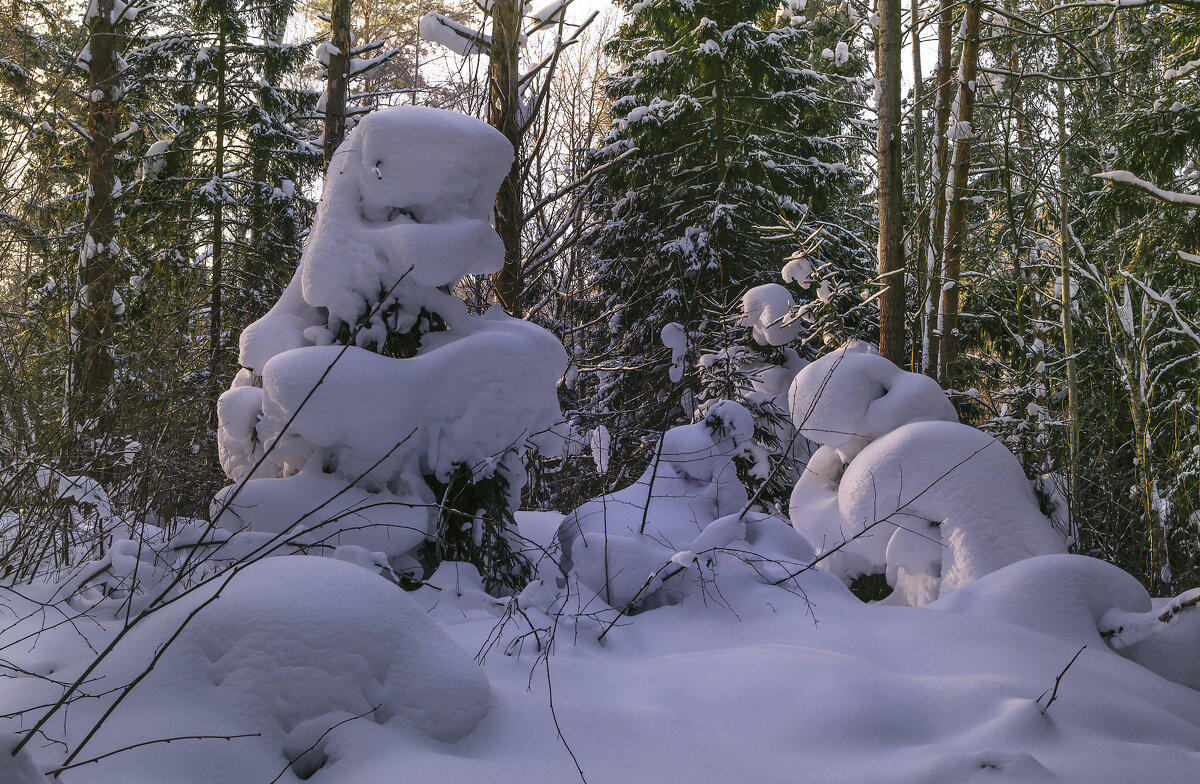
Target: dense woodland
(1020, 224)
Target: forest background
(1037, 192)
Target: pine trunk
(217, 261)
(1064, 248)
(920, 234)
(339, 78)
(931, 338)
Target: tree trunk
(1064, 248)
(892, 306)
(960, 170)
(503, 114)
(217, 261)
(94, 319)
(920, 233)
(930, 338)
(338, 72)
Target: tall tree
(893, 306)
(515, 100)
(725, 129)
(93, 319)
(962, 130)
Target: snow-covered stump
(372, 409)
(900, 487)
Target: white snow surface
(674, 337)
(963, 480)
(289, 647)
(458, 38)
(616, 542)
(852, 394)
(754, 682)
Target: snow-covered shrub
(372, 408)
(296, 651)
(899, 486)
(648, 543)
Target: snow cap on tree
(368, 372)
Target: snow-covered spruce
(899, 486)
(368, 372)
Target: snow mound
(1061, 596)
(408, 194)
(900, 487)
(295, 640)
(684, 508)
(322, 510)
(982, 508)
(1084, 601)
(1165, 641)
(19, 769)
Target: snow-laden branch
(1128, 178)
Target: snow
(674, 337)
(1162, 640)
(616, 542)
(357, 644)
(460, 39)
(404, 217)
(798, 270)
(1129, 178)
(749, 682)
(600, 443)
(900, 487)
(852, 394)
(962, 480)
(767, 310)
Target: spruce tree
(721, 129)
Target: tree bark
(94, 317)
(892, 306)
(504, 114)
(920, 234)
(930, 338)
(338, 73)
(960, 170)
(1064, 253)
(217, 261)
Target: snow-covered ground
(749, 682)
